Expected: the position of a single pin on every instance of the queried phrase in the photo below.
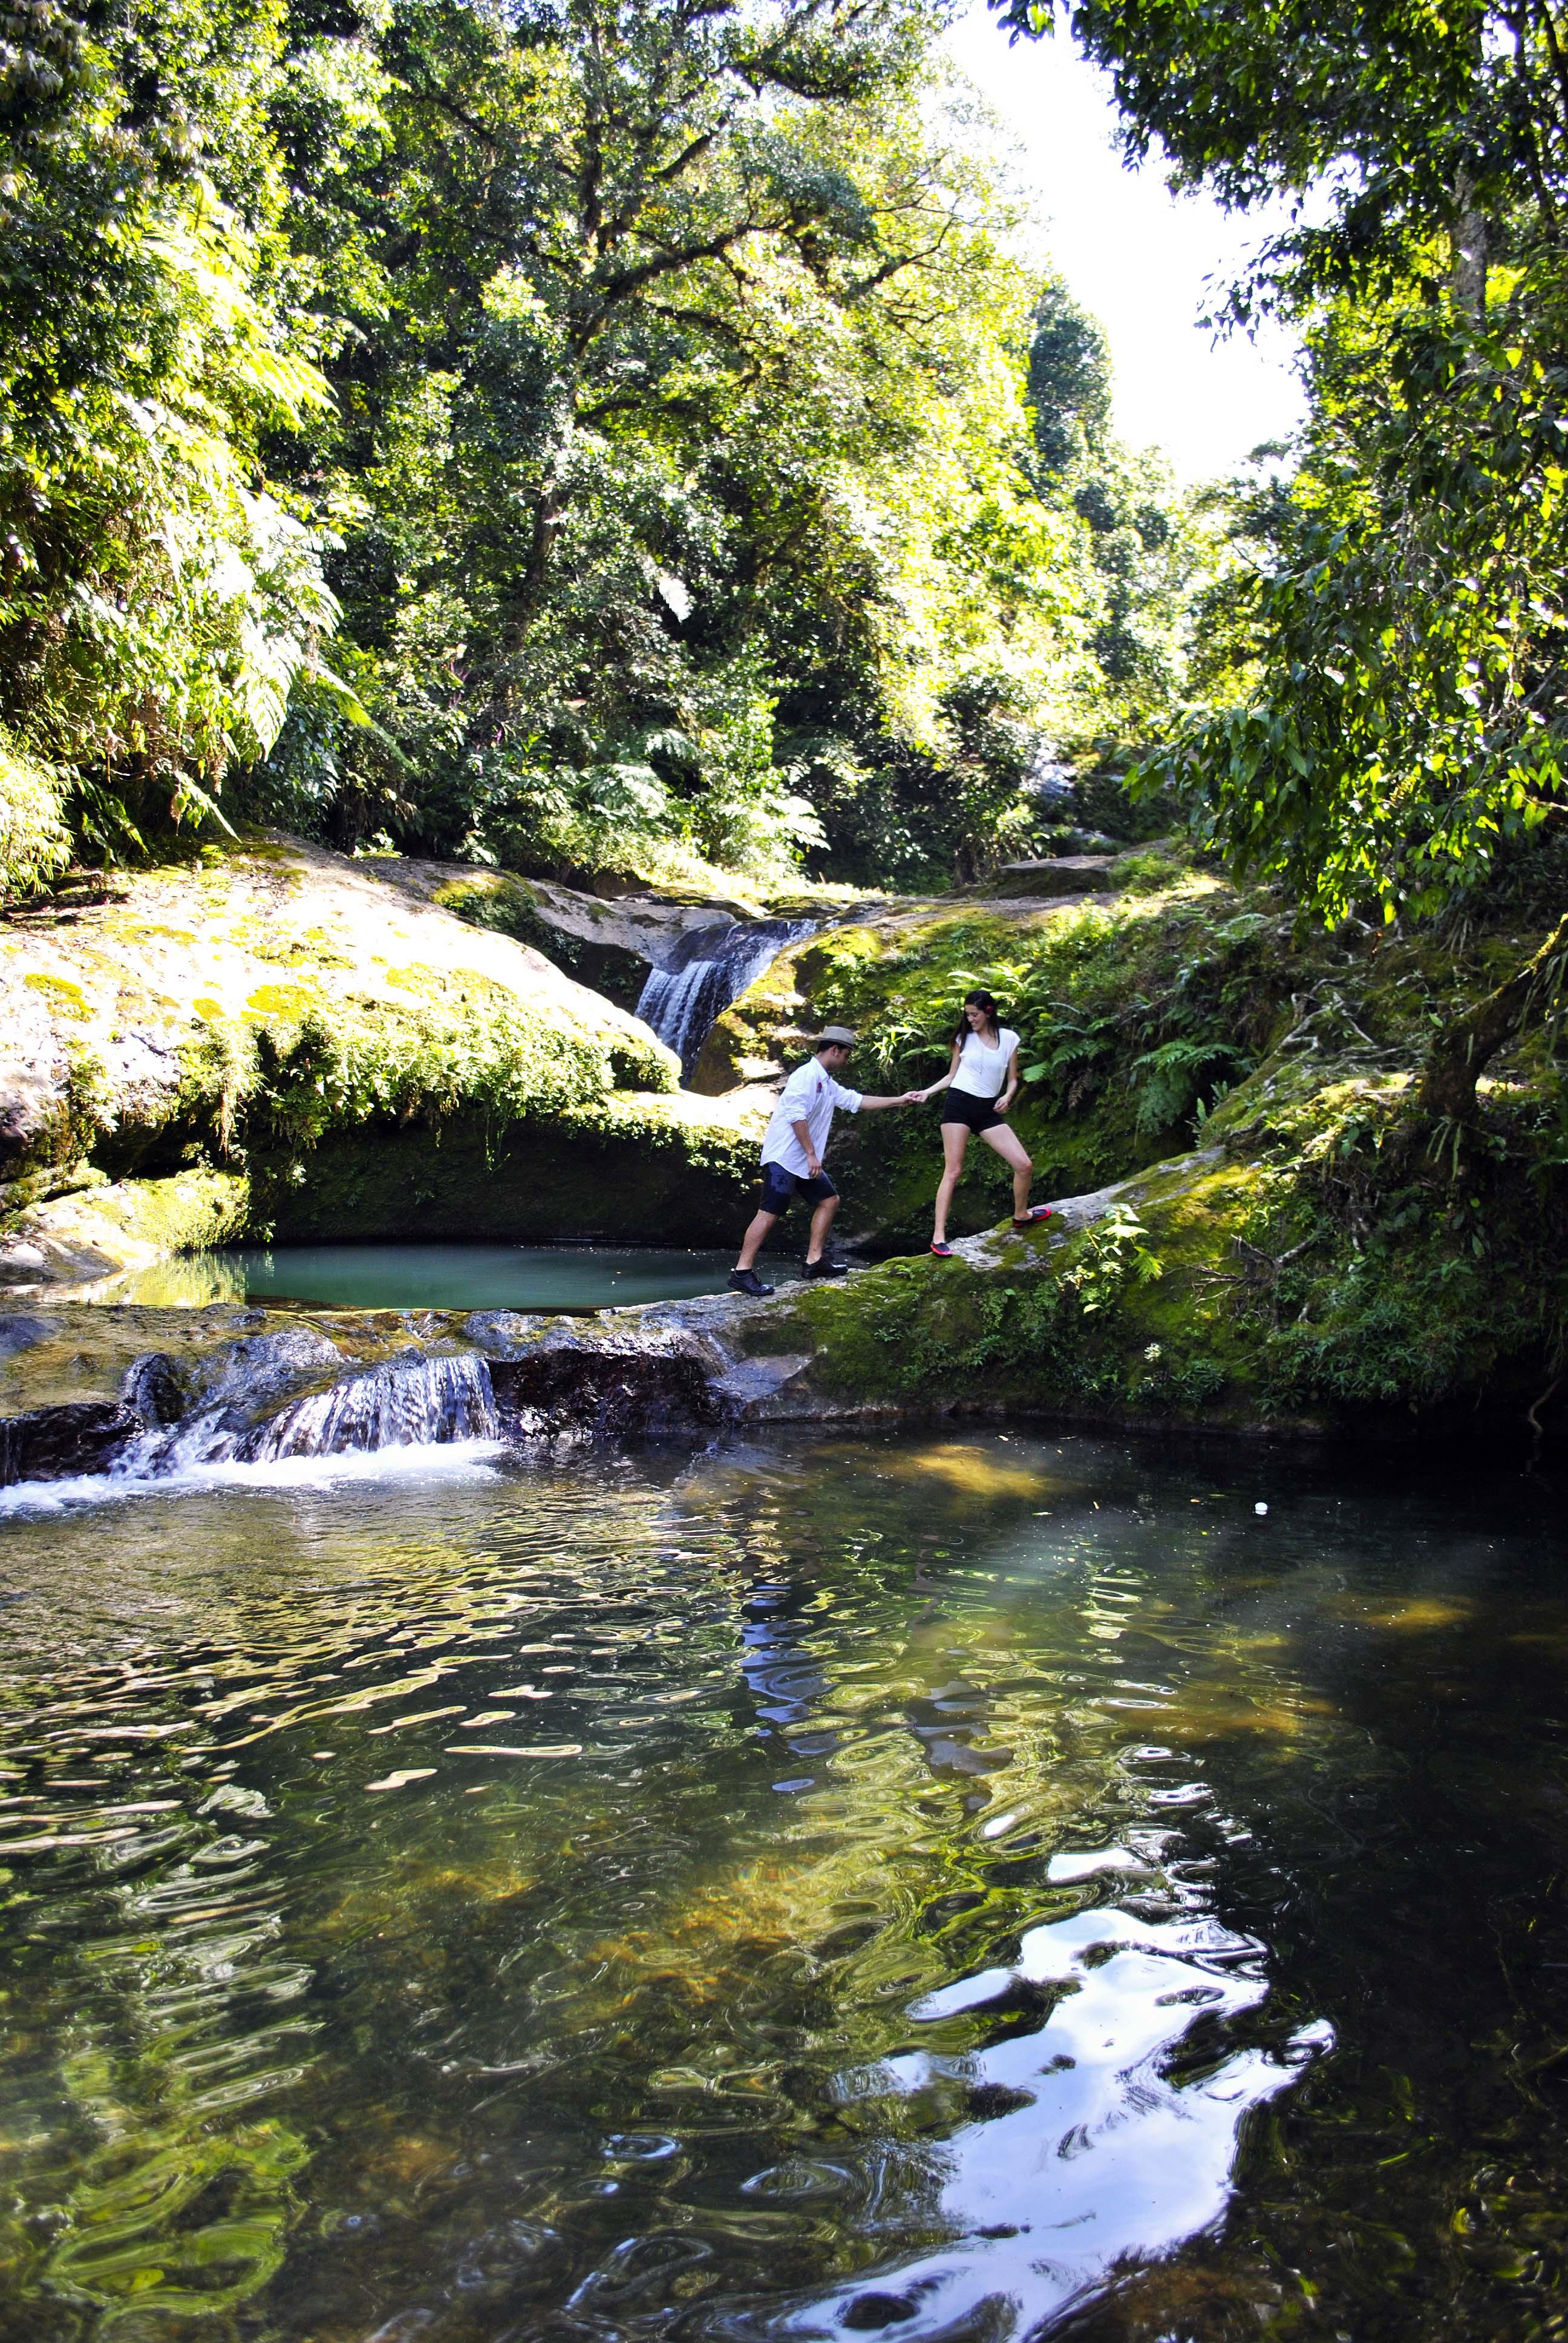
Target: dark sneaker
(943, 1252)
(1035, 1212)
(746, 1281)
(827, 1267)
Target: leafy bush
(35, 841)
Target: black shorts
(780, 1188)
(974, 1113)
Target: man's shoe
(827, 1267)
(746, 1281)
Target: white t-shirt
(982, 1065)
(810, 1096)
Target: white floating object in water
(1260, 1507)
(396, 1780)
(499, 1749)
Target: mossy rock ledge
(269, 1042)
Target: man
(792, 1156)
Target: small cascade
(415, 1404)
(410, 1403)
(708, 968)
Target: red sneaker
(1035, 1212)
(943, 1252)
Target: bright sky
(1135, 257)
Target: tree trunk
(549, 513)
(1469, 244)
(1462, 1051)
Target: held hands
(914, 1098)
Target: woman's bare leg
(955, 1141)
(1010, 1148)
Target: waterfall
(410, 1403)
(413, 1404)
(708, 969)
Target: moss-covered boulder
(270, 1040)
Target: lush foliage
(677, 454)
(1394, 708)
(35, 842)
(1150, 549)
(1400, 649)
(658, 399)
(157, 602)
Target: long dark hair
(978, 1000)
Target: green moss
(620, 1170)
(65, 998)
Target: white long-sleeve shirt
(810, 1096)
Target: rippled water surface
(964, 1887)
(432, 1276)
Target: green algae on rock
(271, 1039)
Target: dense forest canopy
(552, 436)
(640, 432)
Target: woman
(981, 1084)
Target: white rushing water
(410, 1411)
(709, 968)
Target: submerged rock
(58, 1444)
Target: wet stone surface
(943, 1887)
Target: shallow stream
(962, 1887)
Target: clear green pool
(972, 1886)
(434, 1276)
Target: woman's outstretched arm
(921, 1096)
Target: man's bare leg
(755, 1236)
(821, 1222)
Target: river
(964, 1885)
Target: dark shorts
(780, 1189)
(974, 1113)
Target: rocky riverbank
(1256, 1229)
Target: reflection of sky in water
(1087, 2151)
(814, 1886)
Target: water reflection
(817, 1888)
